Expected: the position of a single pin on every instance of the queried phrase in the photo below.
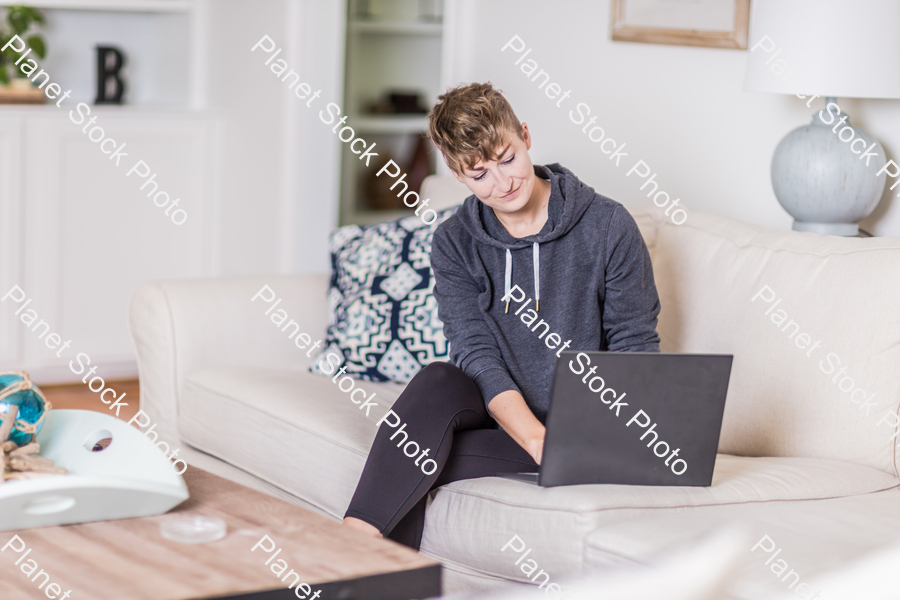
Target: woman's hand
(512, 413)
(535, 447)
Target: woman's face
(504, 184)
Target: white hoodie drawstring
(508, 278)
(536, 259)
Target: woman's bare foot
(361, 526)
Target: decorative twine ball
(16, 389)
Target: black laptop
(635, 418)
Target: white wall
(279, 180)
(314, 167)
(681, 110)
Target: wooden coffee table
(129, 559)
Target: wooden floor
(78, 396)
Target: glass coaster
(193, 529)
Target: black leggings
(443, 412)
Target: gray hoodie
(585, 277)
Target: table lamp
(826, 49)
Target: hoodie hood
(569, 199)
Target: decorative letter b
(110, 86)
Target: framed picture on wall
(710, 23)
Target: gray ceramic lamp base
(821, 181)
(843, 229)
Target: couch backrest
(444, 191)
(813, 323)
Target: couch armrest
(180, 327)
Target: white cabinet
(257, 172)
(76, 232)
(10, 235)
(89, 235)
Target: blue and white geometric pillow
(383, 317)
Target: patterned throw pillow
(383, 317)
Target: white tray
(129, 478)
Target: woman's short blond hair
(471, 122)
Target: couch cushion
(702, 572)
(486, 513)
(840, 292)
(383, 322)
(815, 537)
(296, 430)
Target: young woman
(534, 232)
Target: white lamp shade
(842, 48)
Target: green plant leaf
(18, 27)
(36, 43)
(34, 14)
(17, 21)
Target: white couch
(798, 460)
